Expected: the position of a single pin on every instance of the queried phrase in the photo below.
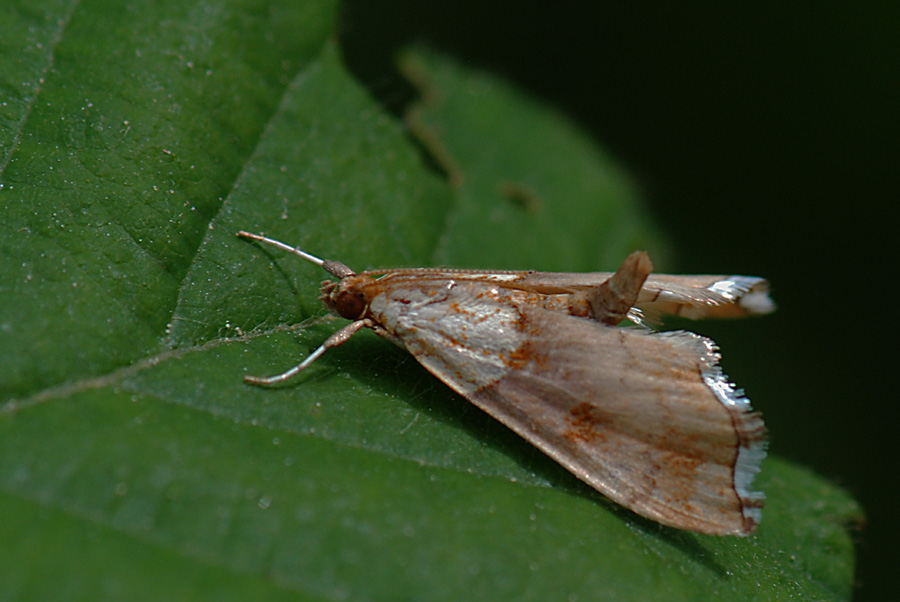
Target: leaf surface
(134, 463)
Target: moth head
(345, 298)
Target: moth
(647, 418)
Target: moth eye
(350, 305)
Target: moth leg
(611, 300)
(338, 338)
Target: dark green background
(764, 138)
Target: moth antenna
(335, 268)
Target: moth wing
(691, 297)
(698, 297)
(646, 418)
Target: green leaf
(134, 464)
(522, 174)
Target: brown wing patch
(586, 423)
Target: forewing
(692, 297)
(645, 418)
(698, 297)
